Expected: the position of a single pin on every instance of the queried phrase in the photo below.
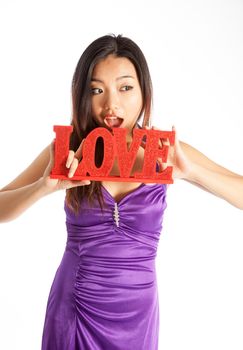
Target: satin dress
(104, 295)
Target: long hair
(82, 120)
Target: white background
(195, 53)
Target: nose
(111, 102)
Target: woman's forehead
(113, 65)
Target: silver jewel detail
(116, 215)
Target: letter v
(125, 157)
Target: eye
(96, 91)
(126, 87)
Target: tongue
(114, 122)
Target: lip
(113, 121)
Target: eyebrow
(119, 78)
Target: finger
(165, 141)
(79, 152)
(161, 164)
(70, 159)
(52, 152)
(51, 158)
(154, 128)
(162, 141)
(143, 144)
(164, 145)
(176, 137)
(73, 167)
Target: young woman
(104, 295)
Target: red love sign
(115, 146)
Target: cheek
(136, 104)
(96, 103)
(94, 107)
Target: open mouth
(113, 121)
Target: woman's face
(116, 93)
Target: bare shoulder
(32, 173)
(199, 158)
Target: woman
(104, 295)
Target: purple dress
(104, 295)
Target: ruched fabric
(104, 295)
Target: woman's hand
(71, 163)
(176, 157)
(35, 182)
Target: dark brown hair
(82, 120)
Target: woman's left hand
(176, 157)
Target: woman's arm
(214, 178)
(191, 165)
(34, 183)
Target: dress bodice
(139, 214)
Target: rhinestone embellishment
(116, 215)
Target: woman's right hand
(35, 182)
(72, 163)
